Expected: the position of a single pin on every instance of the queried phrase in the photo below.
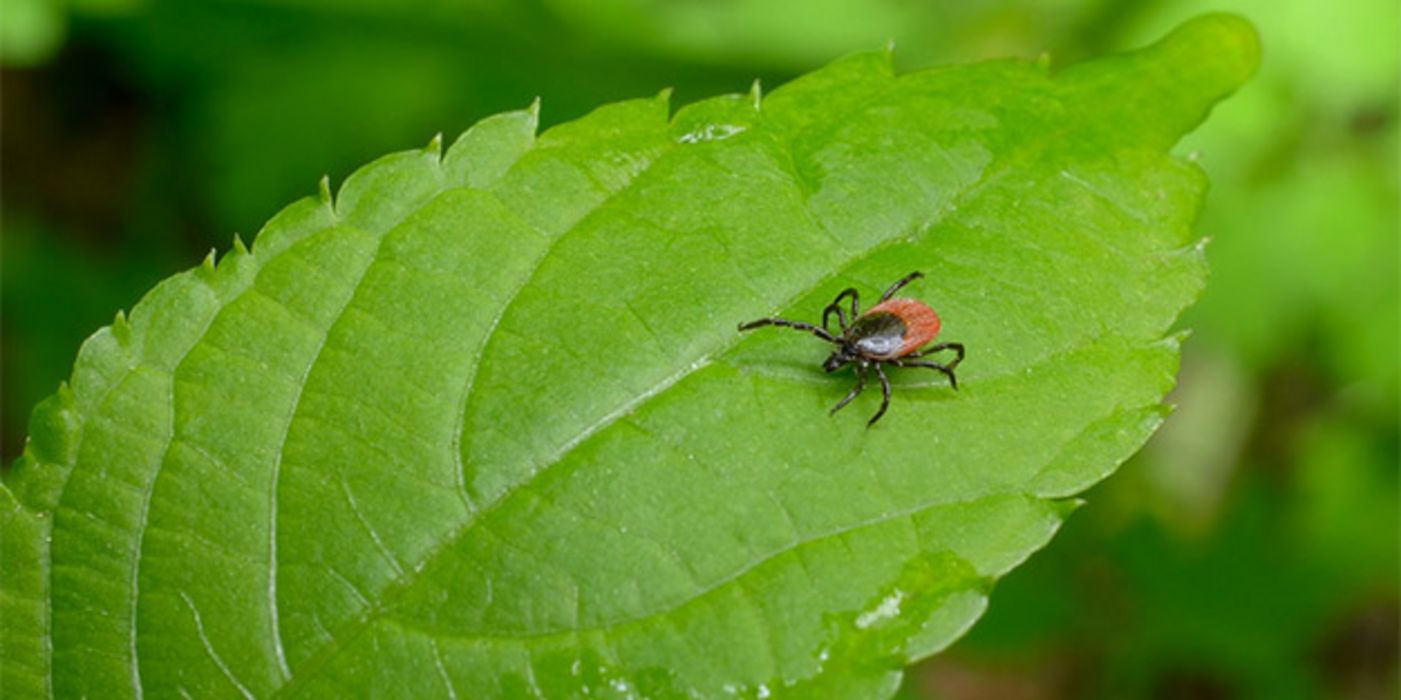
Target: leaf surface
(481, 424)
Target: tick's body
(891, 332)
(893, 328)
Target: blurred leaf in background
(1251, 550)
(30, 31)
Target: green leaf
(482, 425)
(30, 31)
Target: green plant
(482, 424)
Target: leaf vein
(209, 649)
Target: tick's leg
(860, 384)
(956, 347)
(827, 315)
(798, 325)
(946, 369)
(903, 281)
(836, 308)
(885, 396)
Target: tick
(891, 332)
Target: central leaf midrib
(876, 520)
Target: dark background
(1250, 551)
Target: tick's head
(839, 358)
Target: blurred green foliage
(1249, 551)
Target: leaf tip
(121, 330)
(1063, 507)
(435, 146)
(756, 93)
(1176, 81)
(1220, 51)
(208, 267)
(323, 191)
(1240, 35)
(1237, 38)
(238, 245)
(1194, 252)
(1174, 341)
(886, 59)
